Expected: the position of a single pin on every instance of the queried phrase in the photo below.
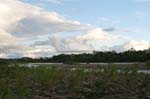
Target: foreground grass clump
(51, 82)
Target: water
(144, 71)
(85, 69)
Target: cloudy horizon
(42, 28)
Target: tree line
(96, 56)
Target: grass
(53, 82)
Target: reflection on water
(144, 71)
(85, 69)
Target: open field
(52, 82)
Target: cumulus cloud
(17, 51)
(6, 38)
(97, 34)
(22, 19)
(80, 43)
(19, 22)
(39, 25)
(135, 44)
(67, 45)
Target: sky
(42, 28)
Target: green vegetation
(51, 82)
(147, 65)
(111, 56)
(96, 56)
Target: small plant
(147, 65)
(147, 78)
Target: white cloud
(97, 35)
(19, 22)
(80, 43)
(22, 19)
(137, 45)
(45, 23)
(6, 38)
(66, 44)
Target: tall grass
(18, 82)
